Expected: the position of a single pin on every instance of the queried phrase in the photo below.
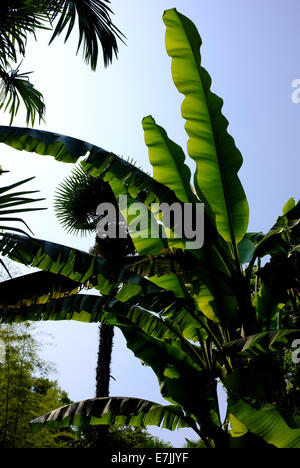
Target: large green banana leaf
(103, 274)
(36, 288)
(67, 149)
(246, 248)
(90, 308)
(115, 410)
(267, 421)
(208, 289)
(144, 242)
(167, 159)
(166, 263)
(286, 231)
(62, 147)
(261, 343)
(217, 158)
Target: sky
(250, 49)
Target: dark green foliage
(128, 437)
(119, 438)
(24, 395)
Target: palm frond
(18, 18)
(16, 87)
(10, 205)
(76, 201)
(95, 25)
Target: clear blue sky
(251, 50)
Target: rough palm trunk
(106, 334)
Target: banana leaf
(103, 274)
(217, 158)
(267, 422)
(167, 159)
(36, 288)
(261, 343)
(114, 410)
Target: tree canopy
(26, 390)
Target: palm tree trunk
(106, 334)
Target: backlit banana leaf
(167, 159)
(69, 150)
(143, 240)
(208, 286)
(35, 288)
(286, 231)
(115, 410)
(90, 308)
(217, 158)
(268, 422)
(246, 248)
(261, 343)
(102, 274)
(62, 147)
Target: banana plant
(198, 316)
